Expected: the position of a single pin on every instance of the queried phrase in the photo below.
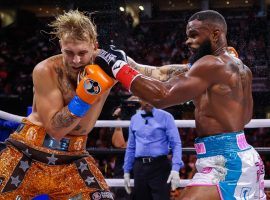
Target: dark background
(153, 36)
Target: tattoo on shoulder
(59, 72)
(65, 84)
(63, 118)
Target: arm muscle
(55, 117)
(162, 73)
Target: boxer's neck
(219, 50)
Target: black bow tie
(148, 114)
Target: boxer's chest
(67, 88)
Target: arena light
(246, 1)
(122, 9)
(227, 2)
(141, 8)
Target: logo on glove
(91, 86)
(106, 56)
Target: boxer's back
(227, 105)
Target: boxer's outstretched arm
(176, 90)
(182, 88)
(162, 73)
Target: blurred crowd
(154, 42)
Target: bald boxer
(47, 154)
(220, 86)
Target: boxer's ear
(61, 45)
(96, 45)
(215, 35)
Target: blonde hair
(75, 25)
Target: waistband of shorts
(36, 137)
(220, 144)
(44, 157)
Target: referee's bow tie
(148, 114)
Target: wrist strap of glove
(78, 107)
(124, 73)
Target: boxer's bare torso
(220, 87)
(53, 105)
(66, 88)
(225, 106)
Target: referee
(151, 133)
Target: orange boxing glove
(232, 51)
(93, 84)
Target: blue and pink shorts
(230, 163)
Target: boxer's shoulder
(208, 63)
(52, 63)
(50, 67)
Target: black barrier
(2, 146)
(187, 150)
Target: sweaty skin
(162, 73)
(218, 84)
(55, 82)
(53, 91)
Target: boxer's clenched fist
(93, 84)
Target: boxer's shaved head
(210, 17)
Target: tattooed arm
(49, 110)
(162, 73)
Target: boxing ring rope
(254, 123)
(186, 150)
(120, 182)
